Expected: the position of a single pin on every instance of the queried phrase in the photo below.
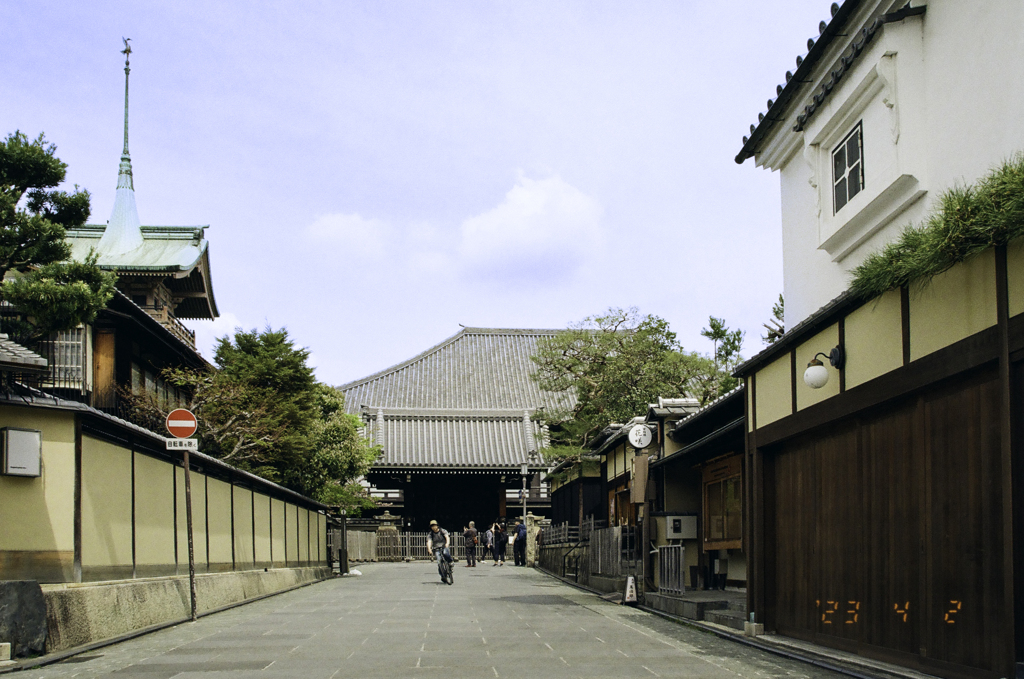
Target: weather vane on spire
(124, 178)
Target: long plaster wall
(133, 517)
(37, 515)
(953, 306)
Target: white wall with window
(932, 101)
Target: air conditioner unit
(681, 527)
(22, 451)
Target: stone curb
(823, 659)
(49, 659)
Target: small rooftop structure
(163, 269)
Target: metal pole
(524, 500)
(188, 523)
(525, 469)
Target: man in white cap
(438, 539)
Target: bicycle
(444, 567)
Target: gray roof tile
(16, 358)
(476, 368)
(463, 403)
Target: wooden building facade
(885, 508)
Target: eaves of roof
(37, 399)
(569, 462)
(712, 409)
(454, 442)
(808, 327)
(165, 249)
(612, 440)
(795, 81)
(139, 315)
(729, 428)
(16, 358)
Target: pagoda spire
(124, 232)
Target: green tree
(616, 364)
(775, 328)
(49, 291)
(726, 356)
(263, 411)
(341, 454)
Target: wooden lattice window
(723, 504)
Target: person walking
(471, 539)
(519, 546)
(489, 542)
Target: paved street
(398, 620)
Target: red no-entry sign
(182, 423)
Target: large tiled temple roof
(465, 403)
(476, 368)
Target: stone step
(726, 617)
(738, 605)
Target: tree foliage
(263, 411)
(775, 328)
(966, 221)
(726, 355)
(617, 364)
(49, 291)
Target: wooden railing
(561, 534)
(402, 546)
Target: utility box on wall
(21, 451)
(681, 527)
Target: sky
(376, 173)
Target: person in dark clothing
(519, 546)
(488, 543)
(500, 543)
(471, 540)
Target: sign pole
(181, 424)
(188, 523)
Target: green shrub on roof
(966, 221)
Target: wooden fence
(362, 545)
(402, 546)
(615, 551)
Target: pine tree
(47, 289)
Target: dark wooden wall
(887, 532)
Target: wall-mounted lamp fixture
(816, 375)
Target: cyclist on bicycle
(438, 541)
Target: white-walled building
(894, 103)
(883, 488)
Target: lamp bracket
(836, 357)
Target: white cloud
(544, 229)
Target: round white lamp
(816, 375)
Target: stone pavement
(398, 620)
